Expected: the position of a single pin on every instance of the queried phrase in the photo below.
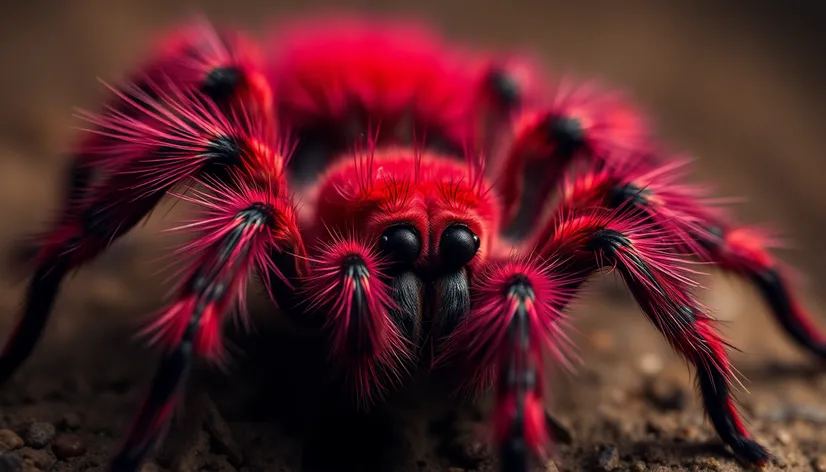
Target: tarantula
(428, 174)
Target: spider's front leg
(515, 317)
(180, 119)
(703, 231)
(641, 252)
(240, 228)
(370, 317)
(517, 313)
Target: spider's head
(426, 220)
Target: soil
(742, 90)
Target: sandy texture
(739, 89)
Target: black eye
(457, 246)
(401, 243)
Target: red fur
(346, 70)
(746, 250)
(534, 429)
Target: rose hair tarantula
(454, 204)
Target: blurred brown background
(738, 84)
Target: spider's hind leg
(703, 232)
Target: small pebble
(9, 440)
(39, 434)
(638, 466)
(40, 459)
(68, 445)
(819, 464)
(783, 437)
(651, 364)
(70, 422)
(608, 458)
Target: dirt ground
(740, 89)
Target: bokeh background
(738, 84)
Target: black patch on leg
(358, 339)
(515, 455)
(40, 298)
(715, 391)
(504, 88)
(608, 240)
(684, 318)
(637, 196)
(519, 378)
(221, 83)
(567, 134)
(224, 151)
(775, 293)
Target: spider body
(427, 171)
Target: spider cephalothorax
(413, 159)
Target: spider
(454, 203)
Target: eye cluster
(402, 244)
